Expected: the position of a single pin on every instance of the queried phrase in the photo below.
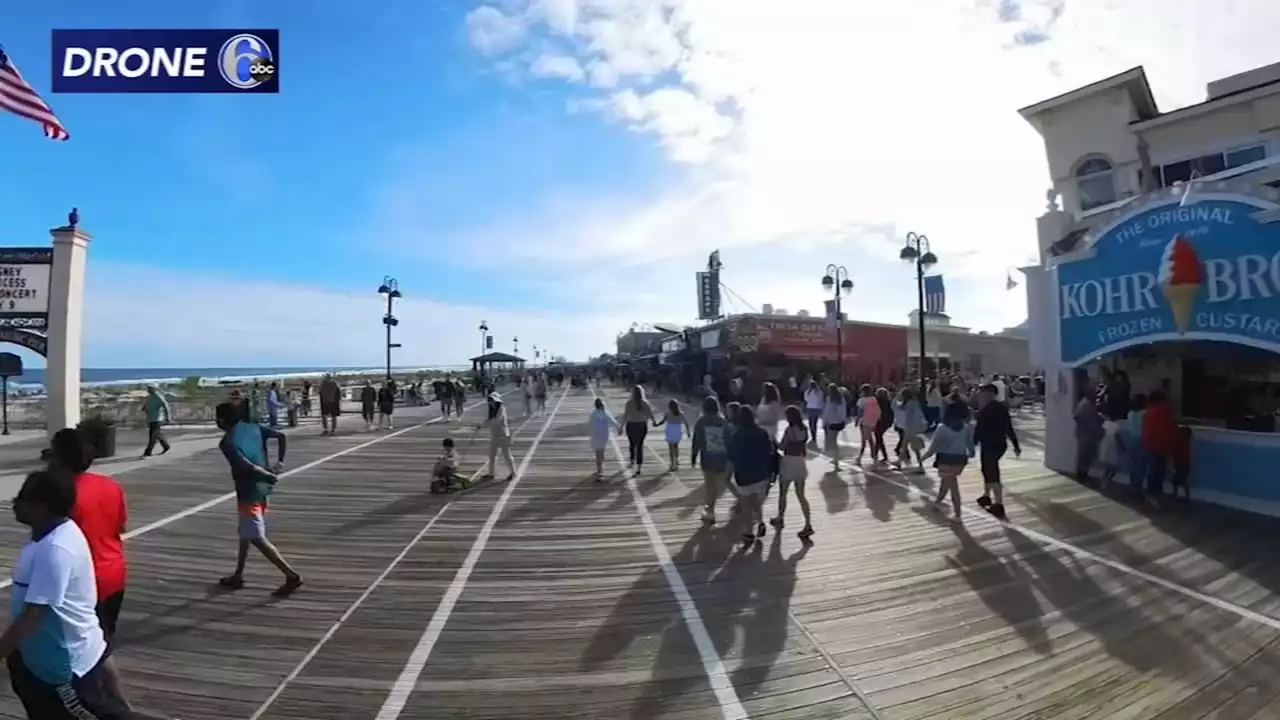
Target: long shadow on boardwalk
(1230, 538)
(1003, 586)
(1190, 645)
(1130, 633)
(160, 625)
(740, 595)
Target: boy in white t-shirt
(55, 646)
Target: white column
(66, 327)
(1044, 315)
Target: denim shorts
(253, 521)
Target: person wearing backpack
(711, 446)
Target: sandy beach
(192, 400)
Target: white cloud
(557, 66)
(560, 15)
(837, 125)
(492, 32)
(602, 74)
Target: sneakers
(996, 509)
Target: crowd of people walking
(70, 578)
(746, 450)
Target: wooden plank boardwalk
(559, 597)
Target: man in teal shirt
(157, 410)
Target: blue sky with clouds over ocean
(560, 168)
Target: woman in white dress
(835, 413)
(769, 412)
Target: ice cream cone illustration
(1181, 275)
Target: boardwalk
(558, 597)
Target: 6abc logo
(246, 61)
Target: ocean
(128, 376)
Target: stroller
(449, 480)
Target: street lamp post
(515, 345)
(390, 287)
(535, 356)
(837, 282)
(484, 336)
(917, 251)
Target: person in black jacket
(993, 433)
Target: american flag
(935, 295)
(19, 98)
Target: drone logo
(246, 61)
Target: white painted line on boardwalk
(417, 662)
(311, 654)
(712, 665)
(1053, 542)
(830, 659)
(196, 509)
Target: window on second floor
(1208, 164)
(1095, 183)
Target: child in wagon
(444, 474)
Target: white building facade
(1129, 181)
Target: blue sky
(299, 188)
(561, 168)
(183, 175)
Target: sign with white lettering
(24, 282)
(1209, 271)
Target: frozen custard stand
(1182, 292)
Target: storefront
(773, 347)
(1183, 295)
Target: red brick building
(872, 352)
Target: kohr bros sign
(1207, 271)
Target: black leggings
(878, 447)
(635, 441)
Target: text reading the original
(1158, 220)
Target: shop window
(1246, 155)
(974, 364)
(1096, 184)
(1159, 183)
(1200, 166)
(1209, 164)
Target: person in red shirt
(1159, 439)
(101, 513)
